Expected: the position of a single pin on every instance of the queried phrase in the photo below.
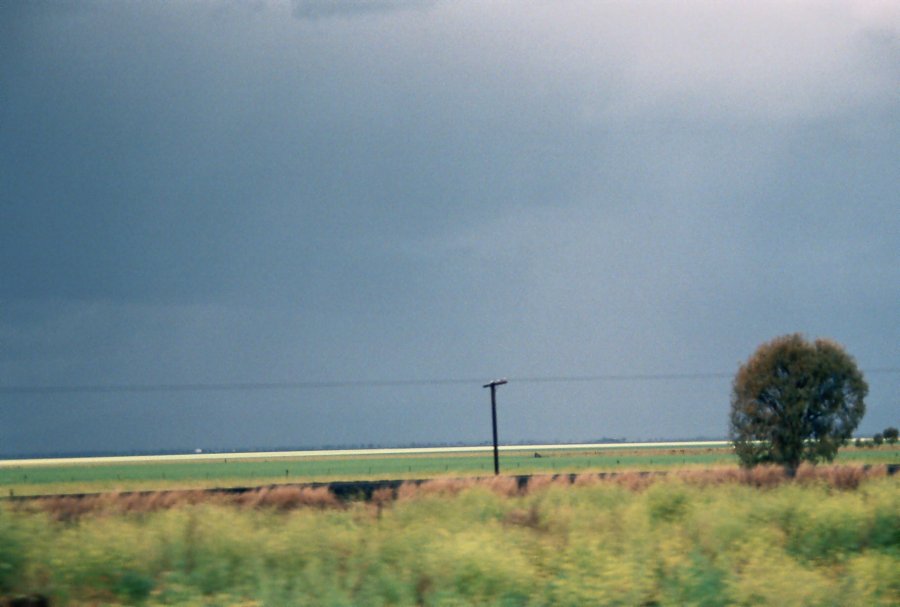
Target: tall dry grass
(507, 486)
(841, 477)
(70, 508)
(290, 497)
(846, 478)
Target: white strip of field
(187, 457)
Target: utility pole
(493, 386)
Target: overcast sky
(377, 190)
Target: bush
(12, 551)
(890, 435)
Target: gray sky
(221, 192)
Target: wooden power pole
(493, 386)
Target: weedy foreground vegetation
(830, 536)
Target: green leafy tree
(795, 400)
(890, 435)
(878, 439)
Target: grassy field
(702, 540)
(49, 478)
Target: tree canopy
(795, 400)
(890, 434)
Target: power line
(390, 383)
(620, 377)
(227, 387)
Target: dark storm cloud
(213, 193)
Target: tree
(794, 400)
(890, 435)
(878, 439)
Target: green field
(672, 543)
(50, 478)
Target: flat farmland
(208, 470)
